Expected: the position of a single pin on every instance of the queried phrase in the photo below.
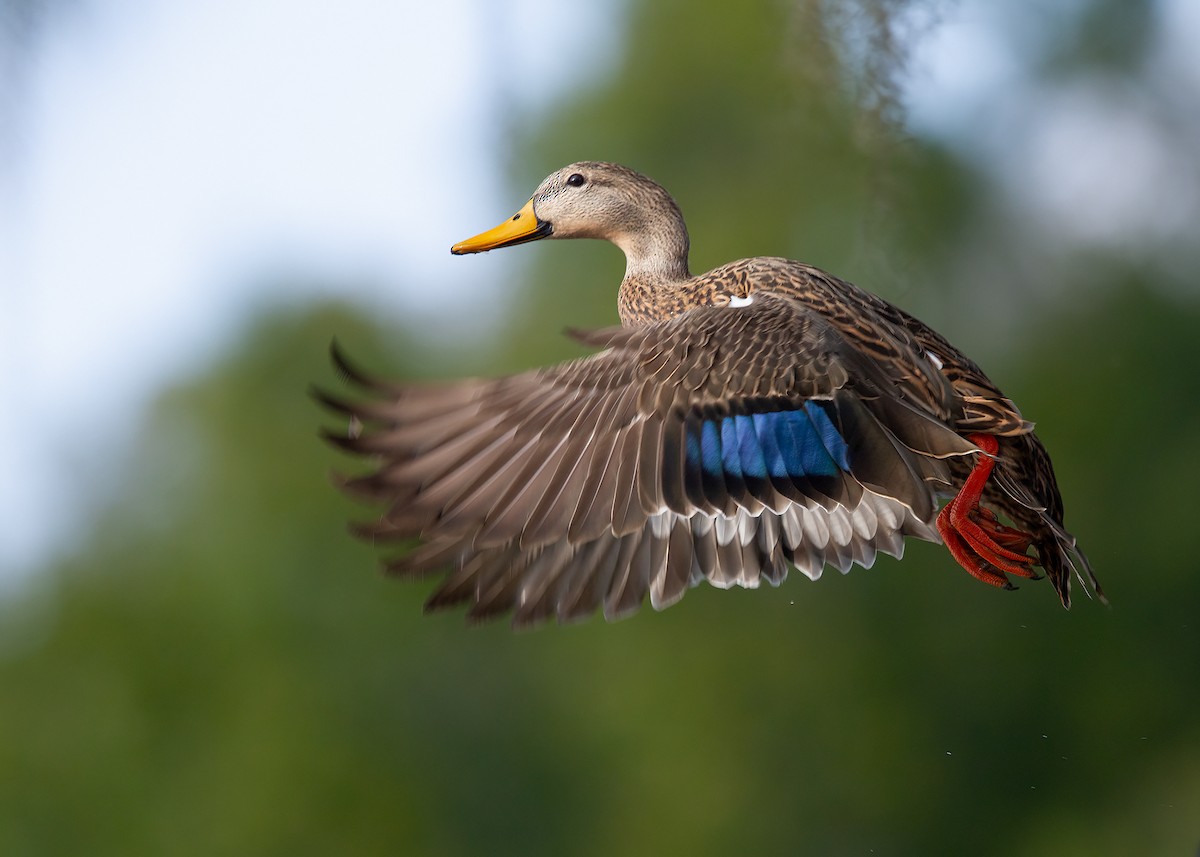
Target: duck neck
(656, 273)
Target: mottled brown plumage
(762, 415)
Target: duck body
(760, 416)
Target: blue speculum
(788, 443)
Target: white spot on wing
(738, 300)
(934, 359)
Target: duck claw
(986, 548)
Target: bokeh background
(196, 198)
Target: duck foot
(975, 538)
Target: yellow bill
(521, 227)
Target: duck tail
(1061, 557)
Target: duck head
(594, 199)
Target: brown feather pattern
(566, 490)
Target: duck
(737, 424)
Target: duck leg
(975, 538)
(1009, 537)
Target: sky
(173, 167)
(1097, 161)
(177, 165)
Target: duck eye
(576, 180)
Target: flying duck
(761, 416)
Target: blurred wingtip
(345, 369)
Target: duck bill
(521, 227)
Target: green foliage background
(219, 670)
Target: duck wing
(725, 444)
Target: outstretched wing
(724, 444)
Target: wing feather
(585, 486)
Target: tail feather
(1062, 558)
(1028, 493)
